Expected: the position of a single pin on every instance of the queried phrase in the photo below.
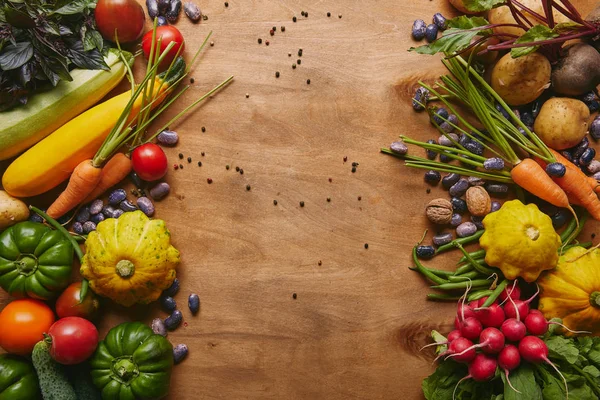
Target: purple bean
(158, 327)
(179, 353)
(160, 191)
(146, 206)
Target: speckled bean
(83, 215)
(497, 188)
(158, 327)
(495, 206)
(442, 238)
(77, 227)
(466, 229)
(163, 6)
(88, 227)
(449, 180)
(146, 206)
(596, 176)
(173, 289)
(161, 21)
(459, 188)
(168, 138)
(456, 220)
(587, 156)
(152, 7)
(458, 205)
(192, 11)
(173, 320)
(425, 252)
(97, 218)
(117, 213)
(399, 147)
(160, 191)
(34, 217)
(179, 353)
(477, 221)
(493, 164)
(108, 211)
(168, 303)
(475, 181)
(117, 196)
(446, 140)
(194, 303)
(173, 11)
(127, 206)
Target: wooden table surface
(293, 304)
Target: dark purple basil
(117, 196)
(459, 188)
(173, 289)
(431, 32)
(432, 177)
(418, 29)
(399, 147)
(174, 320)
(88, 227)
(449, 180)
(180, 352)
(425, 252)
(440, 21)
(442, 238)
(595, 128)
(194, 303)
(168, 303)
(459, 206)
(97, 218)
(587, 156)
(420, 99)
(77, 227)
(494, 164)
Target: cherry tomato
(149, 162)
(74, 340)
(168, 34)
(126, 17)
(22, 324)
(68, 304)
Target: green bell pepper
(35, 261)
(132, 363)
(18, 380)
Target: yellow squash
(130, 259)
(520, 240)
(51, 161)
(572, 290)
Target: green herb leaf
(482, 5)
(591, 370)
(535, 34)
(553, 387)
(462, 30)
(72, 7)
(13, 56)
(566, 27)
(87, 60)
(523, 379)
(439, 338)
(440, 385)
(562, 348)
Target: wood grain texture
(359, 318)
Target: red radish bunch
(499, 335)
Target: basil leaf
(462, 30)
(13, 56)
(523, 379)
(72, 7)
(87, 60)
(18, 18)
(482, 5)
(535, 34)
(93, 40)
(562, 348)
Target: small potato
(460, 6)
(11, 210)
(502, 15)
(562, 122)
(521, 80)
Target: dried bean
(96, 207)
(477, 221)
(556, 169)
(158, 327)
(117, 196)
(587, 156)
(168, 303)
(161, 21)
(88, 227)
(450, 180)
(192, 11)
(495, 206)
(475, 181)
(425, 252)
(442, 238)
(127, 206)
(422, 96)
(474, 147)
(432, 177)
(497, 188)
(194, 303)
(446, 127)
(431, 32)
(168, 138)
(440, 115)
(160, 191)
(560, 219)
(83, 215)
(459, 188)
(447, 140)
(33, 217)
(593, 167)
(456, 220)
(418, 29)
(179, 353)
(77, 227)
(399, 147)
(595, 128)
(174, 10)
(458, 205)
(494, 164)
(430, 153)
(108, 211)
(173, 289)
(173, 320)
(146, 206)
(440, 21)
(152, 6)
(97, 218)
(117, 213)
(466, 229)
(163, 6)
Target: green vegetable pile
(41, 41)
(577, 358)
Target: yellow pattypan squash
(572, 291)
(520, 240)
(130, 259)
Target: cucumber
(51, 375)
(81, 379)
(24, 126)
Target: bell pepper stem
(52, 222)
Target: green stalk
(443, 297)
(463, 285)
(424, 271)
(494, 295)
(474, 254)
(479, 295)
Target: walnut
(478, 201)
(439, 211)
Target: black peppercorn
(366, 245)
(353, 169)
(189, 159)
(301, 204)
(226, 4)
(277, 74)
(241, 171)
(203, 129)
(259, 41)
(299, 61)
(308, 81)
(274, 202)
(181, 156)
(294, 296)
(199, 163)
(329, 14)
(294, 19)
(248, 187)
(237, 169)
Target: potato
(11, 210)
(562, 122)
(521, 80)
(578, 70)
(502, 15)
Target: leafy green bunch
(41, 41)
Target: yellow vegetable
(24, 126)
(572, 291)
(520, 240)
(11, 210)
(130, 259)
(51, 161)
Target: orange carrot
(576, 184)
(532, 177)
(113, 172)
(84, 179)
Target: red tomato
(149, 162)
(126, 17)
(168, 34)
(74, 340)
(22, 324)
(68, 304)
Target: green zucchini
(24, 126)
(51, 375)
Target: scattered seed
(259, 41)
(272, 32)
(353, 169)
(329, 14)
(306, 14)
(339, 15)
(359, 198)
(274, 202)
(302, 13)
(241, 171)
(204, 17)
(294, 19)
(330, 180)
(199, 163)
(294, 66)
(294, 296)
(248, 187)
(274, 29)
(203, 129)
(366, 245)
(247, 95)
(267, 42)
(289, 54)
(180, 166)
(226, 4)
(202, 154)
(277, 74)
(227, 167)
(237, 169)
(301, 204)
(329, 199)
(181, 156)
(212, 43)
(345, 158)
(299, 61)
(189, 159)
(282, 28)
(209, 180)
(320, 263)
(299, 52)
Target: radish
(513, 330)
(453, 335)
(492, 316)
(537, 325)
(534, 350)
(481, 369)
(460, 349)
(470, 328)
(464, 311)
(509, 359)
(491, 341)
(482, 300)
(522, 306)
(514, 292)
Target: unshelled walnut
(479, 202)
(439, 211)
